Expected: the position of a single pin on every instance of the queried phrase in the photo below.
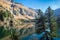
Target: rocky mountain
(57, 12)
(18, 10)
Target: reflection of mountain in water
(27, 28)
(26, 25)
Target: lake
(36, 36)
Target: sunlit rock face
(18, 10)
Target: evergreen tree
(50, 21)
(40, 22)
(3, 32)
(4, 14)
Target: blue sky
(40, 4)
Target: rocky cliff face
(18, 10)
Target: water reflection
(36, 36)
(26, 31)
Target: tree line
(46, 22)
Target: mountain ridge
(18, 13)
(16, 8)
(57, 12)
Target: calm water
(36, 37)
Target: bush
(4, 32)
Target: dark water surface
(36, 37)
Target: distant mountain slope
(18, 10)
(57, 12)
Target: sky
(40, 4)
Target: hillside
(57, 12)
(15, 12)
(18, 10)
